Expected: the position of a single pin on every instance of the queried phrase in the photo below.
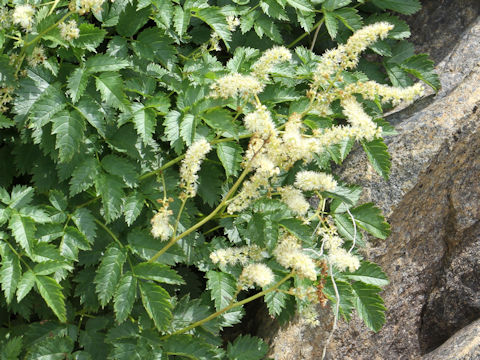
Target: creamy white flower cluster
(236, 85)
(233, 22)
(289, 254)
(37, 57)
(337, 255)
(94, 6)
(23, 15)
(259, 274)
(161, 227)
(191, 165)
(371, 89)
(238, 255)
(269, 59)
(69, 31)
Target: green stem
(300, 38)
(206, 219)
(229, 307)
(167, 165)
(178, 216)
(109, 232)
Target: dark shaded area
(437, 27)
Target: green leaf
(401, 52)
(77, 83)
(122, 168)
(124, 298)
(230, 155)
(109, 272)
(72, 241)
(345, 228)
(156, 302)
(189, 347)
(222, 287)
(103, 63)
(188, 128)
(144, 120)
(51, 292)
(51, 348)
(69, 128)
(210, 183)
(110, 85)
(131, 20)
(133, 207)
(50, 267)
(369, 305)
(368, 273)
(12, 349)
(213, 16)
(172, 130)
(350, 18)
(109, 187)
(51, 102)
(20, 197)
(58, 200)
(157, 272)
(370, 219)
(221, 119)
(302, 5)
(377, 154)
(93, 113)
(90, 37)
(85, 222)
(246, 347)
(340, 206)
(153, 45)
(83, 176)
(340, 151)
(23, 230)
(5, 122)
(297, 228)
(423, 68)
(331, 5)
(264, 26)
(347, 297)
(331, 23)
(276, 301)
(10, 272)
(181, 20)
(397, 75)
(406, 7)
(25, 285)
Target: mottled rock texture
(432, 200)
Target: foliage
(109, 113)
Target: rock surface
(432, 201)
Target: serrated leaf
(331, 5)
(10, 272)
(370, 219)
(423, 68)
(188, 128)
(72, 241)
(77, 83)
(347, 297)
(172, 130)
(5, 122)
(210, 183)
(345, 228)
(350, 18)
(153, 45)
(20, 197)
(25, 285)
(368, 273)
(297, 228)
(302, 5)
(104, 63)
(124, 298)
(377, 154)
(85, 222)
(133, 207)
(221, 119)
(51, 102)
(189, 347)
(144, 120)
(50, 267)
(93, 113)
(401, 52)
(230, 155)
(156, 302)
(181, 20)
(157, 272)
(51, 292)
(58, 200)
(246, 347)
(12, 349)
(397, 75)
(331, 24)
(51, 348)
(213, 16)
(23, 230)
(110, 85)
(69, 128)
(188, 311)
(406, 7)
(264, 26)
(340, 151)
(110, 188)
(339, 206)
(109, 272)
(276, 301)
(222, 287)
(83, 176)
(369, 305)
(121, 167)
(90, 37)
(131, 20)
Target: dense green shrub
(165, 162)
